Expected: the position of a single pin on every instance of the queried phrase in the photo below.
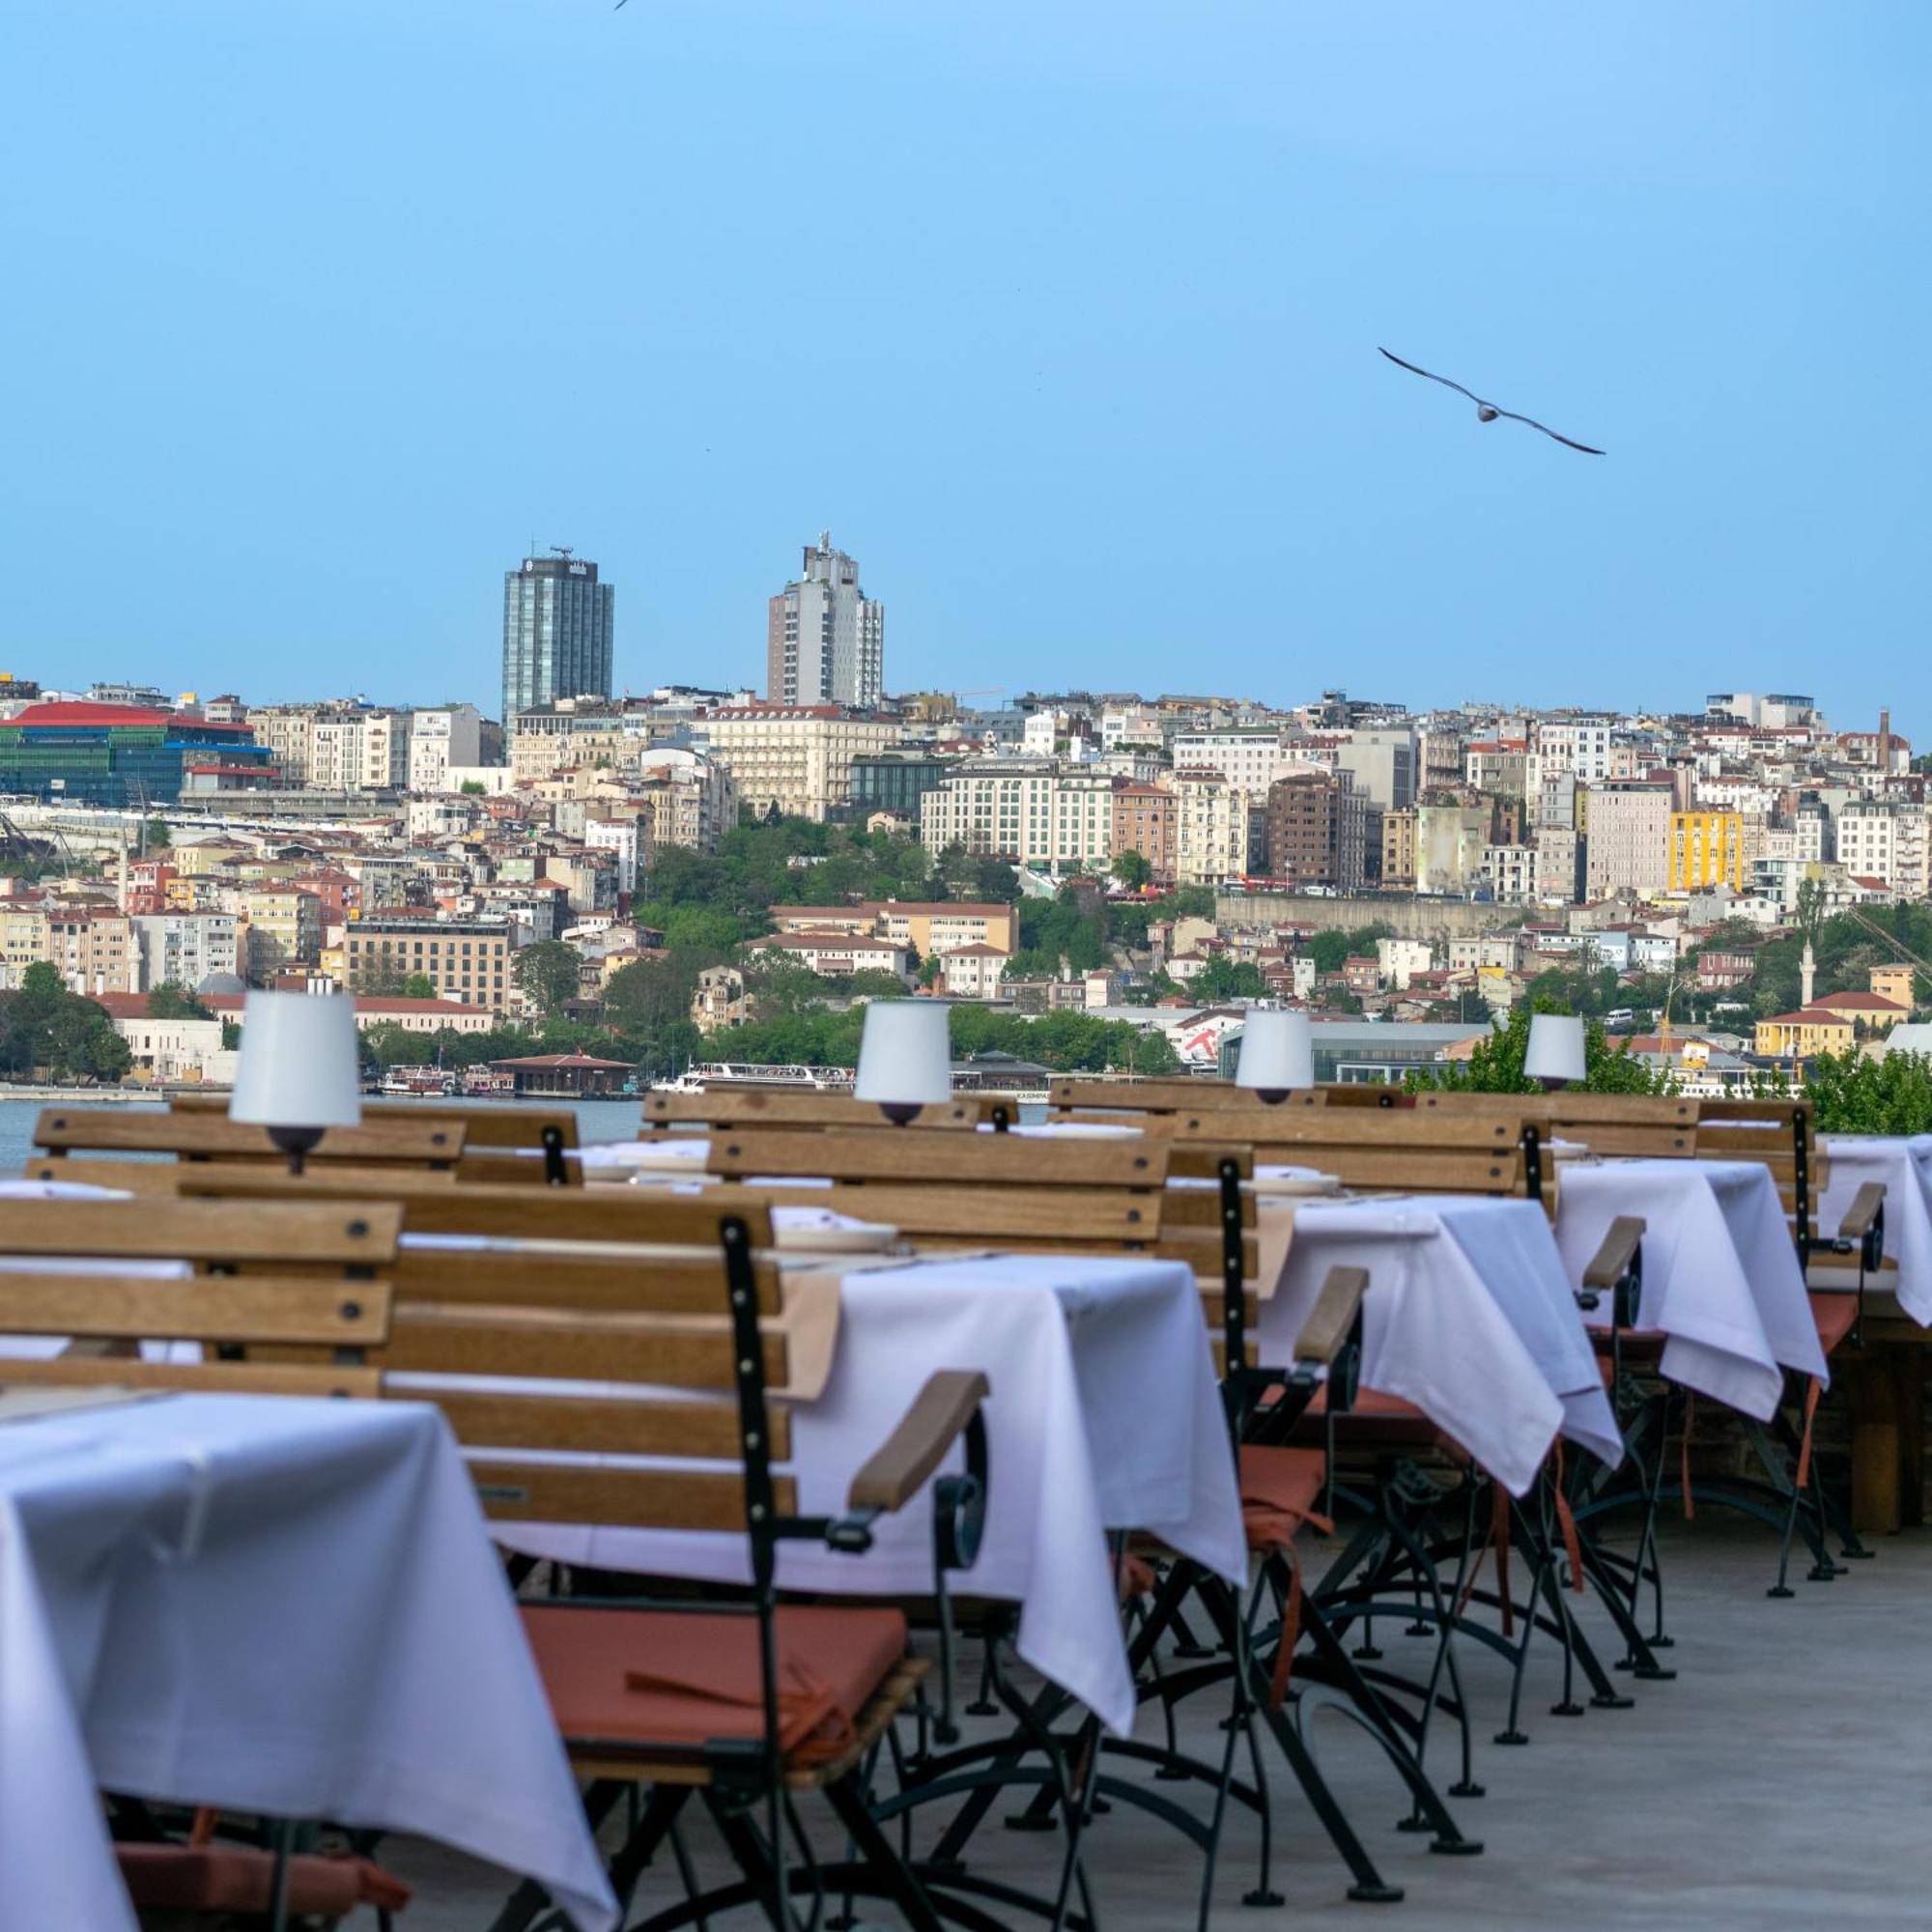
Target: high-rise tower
(558, 624)
(825, 639)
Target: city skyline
(1144, 354)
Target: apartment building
(1398, 834)
(688, 800)
(1213, 829)
(1249, 758)
(1884, 839)
(1510, 872)
(1385, 764)
(1145, 817)
(23, 941)
(1580, 747)
(1035, 812)
(1497, 767)
(184, 949)
(93, 949)
(463, 959)
(1317, 829)
(1450, 841)
(284, 928)
(1706, 848)
(627, 836)
(1628, 834)
(793, 758)
(439, 739)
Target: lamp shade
(905, 1054)
(1277, 1052)
(1556, 1047)
(298, 1064)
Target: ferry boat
(485, 1083)
(701, 1074)
(417, 1083)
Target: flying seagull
(1488, 411)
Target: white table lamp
(1277, 1053)
(299, 1073)
(1555, 1053)
(905, 1058)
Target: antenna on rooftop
(563, 550)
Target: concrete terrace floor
(1781, 1780)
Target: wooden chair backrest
(207, 1136)
(1650, 1126)
(945, 1189)
(778, 1107)
(1143, 1097)
(643, 1295)
(1376, 1151)
(286, 1297)
(488, 1124)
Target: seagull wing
(1443, 380)
(1512, 416)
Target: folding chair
(738, 1700)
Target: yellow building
(1706, 848)
(1894, 983)
(1802, 1033)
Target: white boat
(699, 1075)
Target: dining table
(274, 1605)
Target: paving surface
(1783, 1779)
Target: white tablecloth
(1104, 1414)
(1720, 1275)
(1468, 1316)
(264, 1603)
(1905, 1167)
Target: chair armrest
(1333, 1315)
(1866, 1204)
(937, 1418)
(1612, 1260)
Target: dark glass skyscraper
(557, 625)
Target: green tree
(418, 987)
(155, 836)
(1495, 1065)
(1132, 870)
(548, 972)
(473, 789)
(872, 984)
(170, 1000)
(48, 1033)
(1225, 979)
(1858, 1096)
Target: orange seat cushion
(676, 1678)
(238, 1878)
(1279, 1490)
(1834, 1313)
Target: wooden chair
(701, 1697)
(286, 1297)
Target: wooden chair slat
(598, 1426)
(690, 1352)
(277, 1232)
(248, 1377)
(987, 1159)
(640, 1498)
(602, 1280)
(204, 1308)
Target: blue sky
(1062, 317)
